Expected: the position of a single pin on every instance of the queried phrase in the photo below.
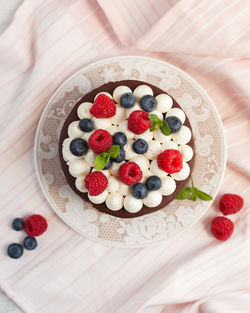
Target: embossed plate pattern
(209, 165)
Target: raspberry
(35, 225)
(130, 173)
(138, 122)
(96, 183)
(170, 161)
(230, 204)
(100, 141)
(222, 228)
(103, 107)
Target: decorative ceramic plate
(176, 217)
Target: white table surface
(8, 8)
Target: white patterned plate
(209, 165)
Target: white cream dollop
(164, 102)
(186, 152)
(158, 135)
(141, 91)
(154, 168)
(67, 155)
(146, 175)
(78, 167)
(74, 131)
(153, 199)
(114, 169)
(168, 185)
(113, 129)
(105, 172)
(183, 174)
(129, 151)
(113, 184)
(169, 145)
(123, 127)
(90, 157)
(123, 189)
(183, 136)
(148, 136)
(131, 204)
(80, 185)
(102, 123)
(154, 148)
(158, 114)
(136, 107)
(83, 110)
(104, 93)
(141, 161)
(120, 90)
(177, 112)
(119, 116)
(86, 136)
(100, 198)
(114, 201)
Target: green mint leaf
(154, 118)
(165, 128)
(102, 160)
(114, 151)
(154, 126)
(184, 193)
(193, 196)
(202, 195)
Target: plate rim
(106, 60)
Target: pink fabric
(48, 41)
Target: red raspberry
(96, 183)
(35, 225)
(222, 228)
(103, 107)
(130, 173)
(170, 161)
(138, 122)
(230, 204)
(100, 141)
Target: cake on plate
(127, 148)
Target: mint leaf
(114, 151)
(184, 193)
(154, 127)
(193, 196)
(165, 128)
(154, 118)
(202, 195)
(102, 160)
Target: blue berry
(148, 103)
(86, 125)
(30, 243)
(120, 157)
(139, 191)
(18, 224)
(78, 147)
(107, 166)
(153, 183)
(15, 251)
(120, 139)
(174, 123)
(127, 100)
(140, 146)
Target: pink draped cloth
(48, 41)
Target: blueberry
(78, 147)
(30, 243)
(127, 100)
(153, 183)
(148, 103)
(107, 166)
(18, 224)
(120, 157)
(120, 139)
(86, 125)
(140, 146)
(139, 191)
(174, 123)
(15, 251)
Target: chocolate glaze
(109, 87)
